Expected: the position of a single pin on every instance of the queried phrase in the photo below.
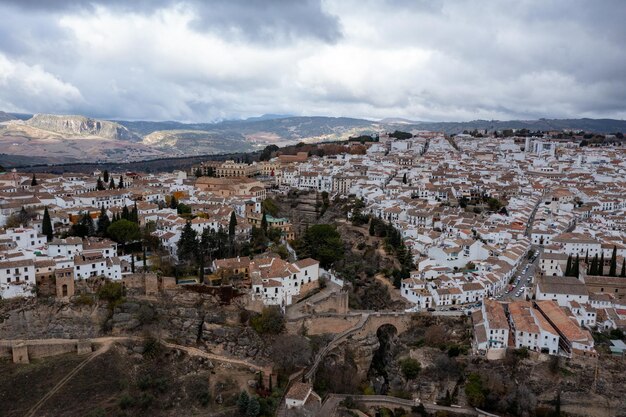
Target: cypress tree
(145, 261)
(125, 213)
(134, 214)
(187, 244)
(613, 267)
(173, 202)
(106, 176)
(623, 274)
(593, 269)
(568, 268)
(132, 263)
(103, 222)
(33, 182)
(587, 257)
(576, 267)
(404, 178)
(99, 184)
(372, 230)
(112, 184)
(120, 184)
(232, 225)
(600, 270)
(264, 223)
(46, 225)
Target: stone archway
(382, 357)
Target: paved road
(525, 281)
(333, 400)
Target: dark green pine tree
(103, 222)
(145, 261)
(593, 268)
(372, 230)
(198, 172)
(232, 225)
(600, 270)
(134, 214)
(112, 184)
(106, 176)
(623, 274)
(404, 178)
(33, 182)
(613, 267)
(87, 222)
(132, 263)
(587, 257)
(264, 223)
(46, 225)
(120, 183)
(173, 202)
(568, 268)
(187, 244)
(99, 184)
(125, 213)
(576, 267)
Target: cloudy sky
(195, 60)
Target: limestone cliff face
(81, 126)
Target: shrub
(112, 292)
(270, 321)
(126, 401)
(83, 300)
(410, 368)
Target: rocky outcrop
(46, 320)
(81, 126)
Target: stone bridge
(351, 325)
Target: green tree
(103, 222)
(613, 267)
(270, 321)
(46, 225)
(126, 213)
(33, 182)
(232, 224)
(254, 408)
(410, 368)
(183, 209)
(132, 263)
(576, 267)
(124, 231)
(173, 202)
(568, 268)
(600, 270)
(404, 181)
(242, 401)
(187, 245)
(475, 391)
(198, 172)
(323, 243)
(623, 274)
(264, 223)
(100, 185)
(112, 184)
(106, 176)
(120, 183)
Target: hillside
(59, 139)
(81, 126)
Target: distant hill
(81, 126)
(5, 117)
(57, 139)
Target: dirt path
(192, 351)
(106, 345)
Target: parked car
(453, 309)
(430, 309)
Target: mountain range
(48, 138)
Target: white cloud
(428, 60)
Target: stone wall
(322, 325)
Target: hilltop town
(413, 272)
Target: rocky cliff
(81, 126)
